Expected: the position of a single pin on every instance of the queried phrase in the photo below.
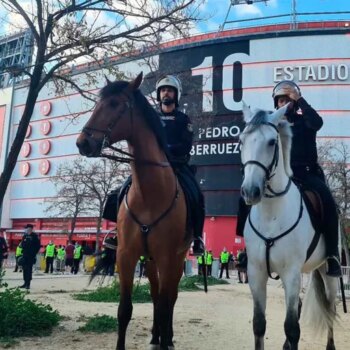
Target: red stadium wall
(220, 232)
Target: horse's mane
(151, 116)
(262, 117)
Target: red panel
(219, 232)
(2, 122)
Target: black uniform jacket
(305, 127)
(31, 247)
(179, 133)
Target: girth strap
(269, 242)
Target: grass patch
(23, 317)
(111, 294)
(100, 324)
(7, 342)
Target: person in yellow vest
(50, 252)
(60, 259)
(209, 261)
(142, 262)
(200, 264)
(19, 254)
(77, 256)
(224, 260)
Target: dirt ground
(220, 319)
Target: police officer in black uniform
(31, 246)
(305, 123)
(179, 134)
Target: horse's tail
(318, 311)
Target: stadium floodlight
(246, 2)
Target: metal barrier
(346, 279)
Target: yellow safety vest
(61, 254)
(224, 257)
(50, 251)
(19, 251)
(77, 252)
(208, 259)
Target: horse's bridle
(270, 170)
(106, 143)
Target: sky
(218, 9)
(215, 11)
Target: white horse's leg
(257, 284)
(291, 284)
(331, 295)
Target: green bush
(100, 324)
(23, 317)
(194, 283)
(111, 294)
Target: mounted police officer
(304, 162)
(179, 134)
(305, 122)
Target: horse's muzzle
(89, 147)
(251, 195)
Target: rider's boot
(198, 246)
(333, 266)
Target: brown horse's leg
(152, 275)
(170, 272)
(126, 277)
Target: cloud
(247, 10)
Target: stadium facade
(218, 71)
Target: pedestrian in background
(19, 254)
(3, 250)
(60, 258)
(49, 256)
(31, 246)
(77, 256)
(69, 257)
(208, 257)
(224, 260)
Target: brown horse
(152, 218)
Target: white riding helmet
(280, 89)
(172, 81)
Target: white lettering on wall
(321, 72)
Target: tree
(82, 188)
(100, 178)
(71, 193)
(335, 158)
(65, 31)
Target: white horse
(278, 232)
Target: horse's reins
(269, 242)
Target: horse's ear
(276, 116)
(135, 84)
(247, 113)
(107, 80)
